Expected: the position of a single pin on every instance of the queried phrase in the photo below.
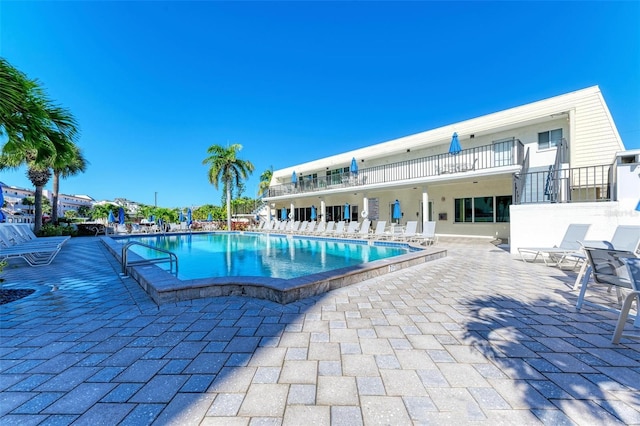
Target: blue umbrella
(397, 213)
(294, 179)
(454, 148)
(638, 206)
(354, 166)
(347, 211)
(283, 214)
(121, 216)
(180, 217)
(152, 219)
(209, 217)
(314, 214)
(111, 218)
(189, 217)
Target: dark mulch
(10, 295)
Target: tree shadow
(562, 363)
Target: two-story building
(556, 150)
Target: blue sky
(154, 84)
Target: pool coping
(164, 287)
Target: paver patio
(476, 337)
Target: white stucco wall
(544, 225)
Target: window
(334, 177)
(464, 210)
(502, 208)
(549, 138)
(481, 209)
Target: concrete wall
(544, 225)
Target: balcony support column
(425, 204)
(323, 211)
(365, 204)
(293, 212)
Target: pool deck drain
(164, 287)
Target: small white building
(557, 151)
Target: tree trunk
(228, 207)
(37, 224)
(54, 207)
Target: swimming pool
(260, 255)
(360, 260)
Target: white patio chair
(428, 235)
(379, 232)
(570, 244)
(633, 270)
(625, 238)
(609, 268)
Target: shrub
(50, 230)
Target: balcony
(506, 153)
(578, 184)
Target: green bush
(50, 230)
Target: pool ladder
(171, 257)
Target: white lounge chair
(293, 227)
(328, 229)
(395, 232)
(311, 227)
(303, 227)
(34, 255)
(408, 232)
(337, 232)
(23, 233)
(352, 229)
(379, 232)
(320, 228)
(363, 232)
(570, 244)
(428, 235)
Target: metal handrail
(498, 154)
(126, 263)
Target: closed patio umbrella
(455, 148)
(111, 218)
(189, 217)
(283, 214)
(397, 213)
(347, 212)
(121, 216)
(314, 214)
(294, 179)
(180, 216)
(354, 166)
(209, 217)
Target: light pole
(155, 199)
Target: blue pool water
(230, 254)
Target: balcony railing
(506, 153)
(580, 184)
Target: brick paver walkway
(477, 337)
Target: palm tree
(64, 167)
(226, 167)
(265, 181)
(38, 131)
